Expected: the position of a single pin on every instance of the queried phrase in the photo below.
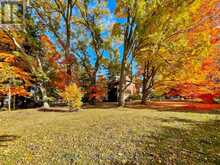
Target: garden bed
(56, 109)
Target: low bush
(72, 96)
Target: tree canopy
(169, 47)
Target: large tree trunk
(144, 97)
(68, 35)
(144, 91)
(122, 82)
(44, 97)
(148, 80)
(93, 84)
(9, 99)
(67, 53)
(129, 45)
(14, 102)
(145, 81)
(1, 102)
(42, 88)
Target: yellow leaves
(72, 95)
(141, 7)
(196, 6)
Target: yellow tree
(150, 26)
(201, 80)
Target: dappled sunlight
(4, 139)
(118, 82)
(122, 135)
(178, 106)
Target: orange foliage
(68, 60)
(183, 106)
(46, 42)
(208, 87)
(61, 79)
(207, 91)
(5, 42)
(7, 59)
(54, 58)
(20, 91)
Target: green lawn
(109, 136)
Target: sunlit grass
(111, 136)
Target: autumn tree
(127, 10)
(112, 63)
(90, 41)
(201, 80)
(149, 26)
(57, 18)
(37, 52)
(14, 80)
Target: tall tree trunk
(148, 80)
(14, 102)
(9, 98)
(67, 53)
(68, 35)
(144, 84)
(1, 103)
(122, 82)
(144, 91)
(93, 84)
(44, 97)
(129, 43)
(42, 87)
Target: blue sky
(111, 5)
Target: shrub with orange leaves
(95, 94)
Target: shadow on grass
(172, 108)
(7, 138)
(104, 105)
(175, 119)
(213, 111)
(56, 109)
(199, 145)
(151, 106)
